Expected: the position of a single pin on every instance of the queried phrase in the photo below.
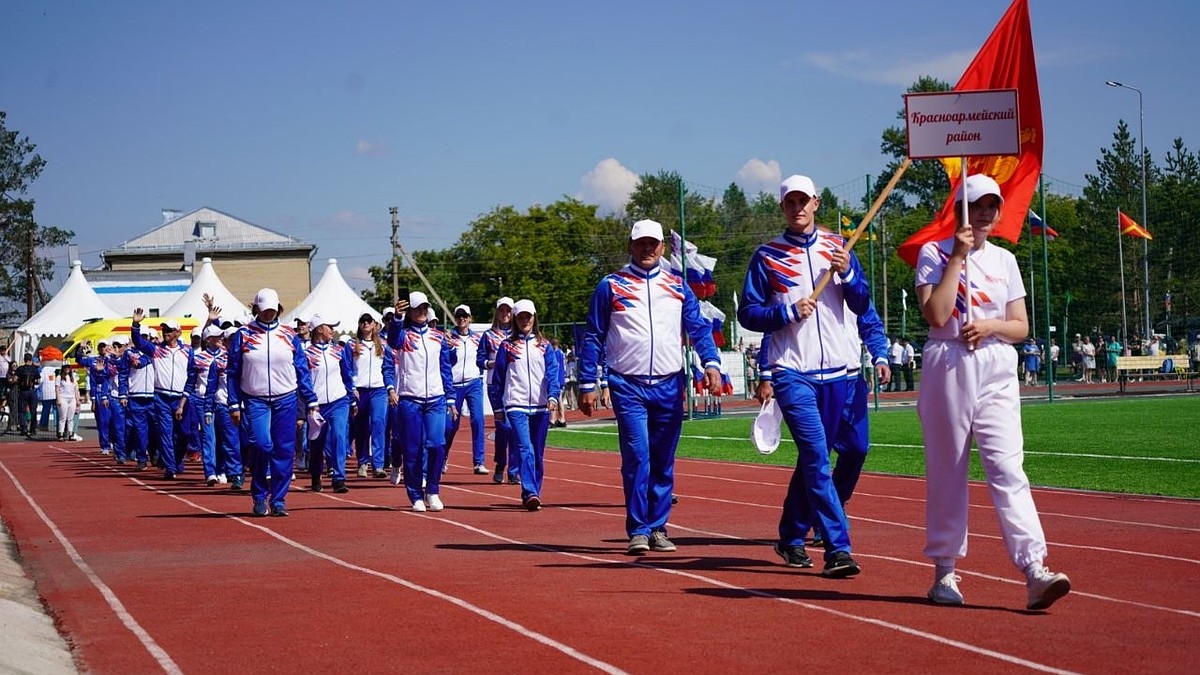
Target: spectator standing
(1030, 361)
(28, 377)
(908, 362)
(1088, 350)
(48, 393)
(971, 392)
(633, 329)
(895, 363)
(1194, 354)
(67, 395)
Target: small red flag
(1131, 228)
(1005, 61)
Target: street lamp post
(1145, 224)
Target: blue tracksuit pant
(139, 417)
(472, 394)
(229, 442)
(853, 439)
(649, 421)
(206, 434)
(101, 424)
(505, 454)
(269, 434)
(170, 433)
(422, 427)
(116, 429)
(370, 427)
(529, 435)
(333, 441)
(812, 410)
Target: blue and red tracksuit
(98, 382)
(504, 455)
(118, 393)
(468, 389)
(634, 326)
(374, 378)
(529, 378)
(228, 436)
(808, 360)
(139, 416)
(267, 375)
(424, 377)
(171, 363)
(202, 421)
(332, 369)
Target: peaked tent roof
(333, 298)
(73, 305)
(191, 303)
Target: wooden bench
(1150, 367)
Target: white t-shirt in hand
(995, 281)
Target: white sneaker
(435, 502)
(222, 479)
(1045, 587)
(362, 470)
(77, 437)
(945, 590)
(396, 477)
(419, 506)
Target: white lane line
(156, 652)
(454, 600)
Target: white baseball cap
(117, 340)
(266, 298)
(797, 183)
(978, 186)
(524, 306)
(172, 324)
(432, 316)
(416, 299)
(228, 332)
(504, 301)
(318, 320)
(212, 330)
(765, 432)
(462, 309)
(149, 331)
(646, 228)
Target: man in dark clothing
(28, 378)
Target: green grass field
(1132, 445)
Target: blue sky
(313, 118)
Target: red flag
(1131, 228)
(1005, 61)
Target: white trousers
(66, 416)
(968, 395)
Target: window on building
(206, 230)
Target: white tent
(333, 298)
(73, 305)
(205, 281)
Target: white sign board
(962, 123)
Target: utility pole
(30, 277)
(883, 245)
(395, 227)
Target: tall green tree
(22, 268)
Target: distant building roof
(209, 230)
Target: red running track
(144, 575)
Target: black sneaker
(141, 466)
(839, 566)
(235, 485)
(315, 484)
(793, 556)
(339, 486)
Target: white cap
(267, 298)
(228, 332)
(504, 301)
(318, 320)
(149, 331)
(978, 186)
(416, 299)
(432, 315)
(765, 431)
(797, 183)
(525, 306)
(212, 330)
(462, 308)
(646, 228)
(117, 340)
(169, 323)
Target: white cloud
(757, 176)
(608, 185)
(370, 147)
(867, 66)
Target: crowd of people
(393, 396)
